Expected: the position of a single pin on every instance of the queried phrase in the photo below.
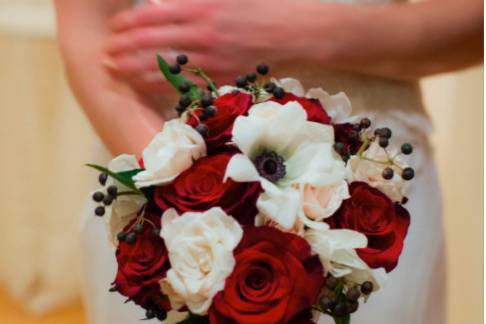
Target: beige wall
(45, 139)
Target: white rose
(171, 152)
(200, 247)
(123, 209)
(371, 172)
(336, 250)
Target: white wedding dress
(415, 292)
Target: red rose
(142, 265)
(275, 280)
(201, 187)
(229, 107)
(313, 107)
(384, 223)
(349, 137)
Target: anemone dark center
(270, 166)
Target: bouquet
(261, 203)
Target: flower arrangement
(261, 203)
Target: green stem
(200, 73)
(342, 320)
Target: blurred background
(40, 204)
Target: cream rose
(200, 247)
(171, 152)
(322, 202)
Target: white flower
(171, 152)
(337, 106)
(200, 249)
(274, 131)
(336, 250)
(125, 207)
(371, 172)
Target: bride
(374, 50)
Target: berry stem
(200, 73)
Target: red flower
(384, 223)
(275, 280)
(201, 187)
(313, 107)
(141, 266)
(229, 107)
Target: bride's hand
(225, 37)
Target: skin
(124, 120)
(226, 38)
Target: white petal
(281, 205)
(293, 86)
(241, 169)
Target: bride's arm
(402, 41)
(123, 122)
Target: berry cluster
(338, 302)
(189, 103)
(130, 235)
(104, 199)
(250, 83)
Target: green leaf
(194, 319)
(124, 177)
(342, 320)
(177, 79)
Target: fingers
(164, 13)
(170, 36)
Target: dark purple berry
(383, 142)
(269, 87)
(102, 178)
(339, 147)
(211, 111)
(175, 68)
(121, 236)
(331, 282)
(156, 231)
(99, 211)
(262, 69)
(241, 82)
(326, 303)
(184, 87)
(340, 310)
(365, 123)
(387, 173)
(131, 238)
(353, 294)
(112, 191)
(279, 93)
(386, 132)
(138, 228)
(202, 129)
(108, 200)
(407, 148)
(251, 77)
(98, 196)
(207, 100)
(182, 59)
(367, 287)
(352, 306)
(185, 101)
(408, 174)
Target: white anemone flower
(284, 152)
